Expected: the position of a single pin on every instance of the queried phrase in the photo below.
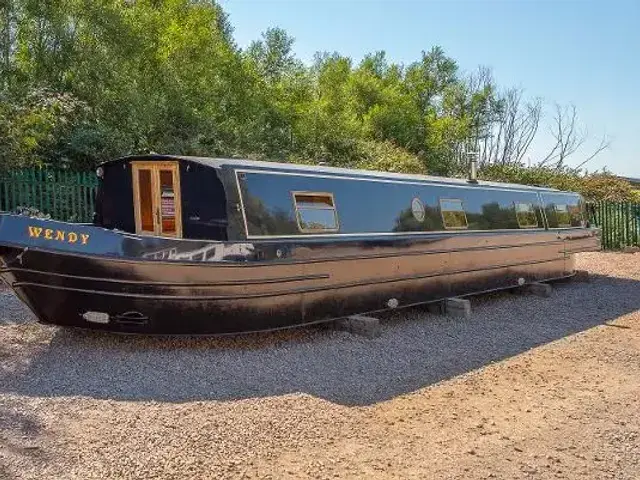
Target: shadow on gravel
(416, 349)
(19, 432)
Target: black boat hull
(125, 283)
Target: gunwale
(296, 239)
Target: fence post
(635, 210)
(605, 225)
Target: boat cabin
(229, 199)
(161, 196)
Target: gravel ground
(527, 388)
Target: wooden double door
(156, 198)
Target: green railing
(64, 195)
(620, 223)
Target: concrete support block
(360, 325)
(539, 289)
(631, 249)
(582, 276)
(457, 307)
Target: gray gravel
(12, 310)
(415, 349)
(264, 389)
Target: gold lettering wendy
(58, 235)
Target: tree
(82, 81)
(161, 76)
(7, 41)
(512, 130)
(273, 55)
(282, 91)
(568, 138)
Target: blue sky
(582, 52)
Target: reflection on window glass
(576, 213)
(562, 215)
(453, 214)
(316, 212)
(314, 200)
(316, 219)
(526, 215)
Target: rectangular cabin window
(526, 215)
(453, 214)
(562, 215)
(315, 212)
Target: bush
(45, 128)
(604, 186)
(593, 187)
(387, 157)
(365, 155)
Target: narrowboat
(189, 245)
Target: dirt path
(567, 410)
(529, 388)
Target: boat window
(453, 214)
(526, 215)
(315, 212)
(167, 202)
(562, 215)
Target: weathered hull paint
(166, 286)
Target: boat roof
(322, 170)
(632, 180)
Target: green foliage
(44, 127)
(161, 76)
(386, 156)
(83, 81)
(604, 186)
(594, 187)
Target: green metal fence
(620, 223)
(64, 195)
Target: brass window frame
(533, 210)
(319, 194)
(156, 200)
(444, 223)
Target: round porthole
(417, 208)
